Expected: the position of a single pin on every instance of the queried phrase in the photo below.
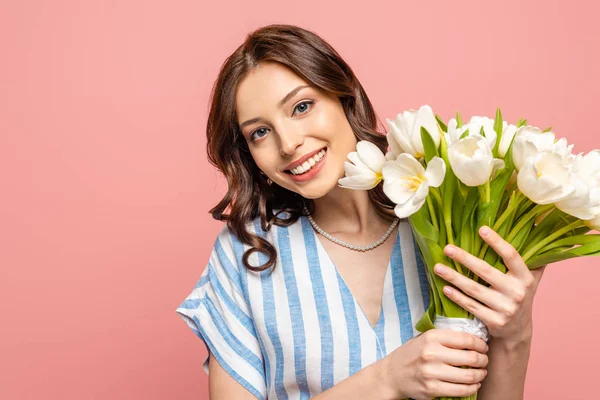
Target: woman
(286, 312)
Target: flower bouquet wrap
(451, 179)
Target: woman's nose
(290, 139)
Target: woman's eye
(302, 107)
(255, 132)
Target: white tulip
(364, 172)
(407, 183)
(406, 130)
(472, 160)
(584, 202)
(454, 133)
(545, 178)
(530, 141)
(395, 149)
(475, 125)
(508, 133)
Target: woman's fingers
(459, 358)
(460, 340)
(511, 257)
(448, 373)
(488, 296)
(482, 269)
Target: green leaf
(432, 254)
(548, 129)
(524, 208)
(458, 209)
(522, 122)
(498, 128)
(422, 226)
(589, 249)
(441, 123)
(484, 217)
(577, 240)
(428, 145)
(426, 322)
(459, 121)
(482, 131)
(465, 134)
(545, 228)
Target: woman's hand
(428, 365)
(506, 306)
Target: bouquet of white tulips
(450, 180)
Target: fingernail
(484, 231)
(478, 385)
(449, 250)
(485, 372)
(439, 269)
(487, 348)
(447, 290)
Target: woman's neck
(348, 211)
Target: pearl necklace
(349, 245)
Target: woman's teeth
(308, 164)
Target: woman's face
(284, 119)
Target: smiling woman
(283, 311)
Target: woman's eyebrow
(280, 104)
(290, 95)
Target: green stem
(538, 209)
(543, 243)
(488, 192)
(505, 215)
(482, 195)
(433, 214)
(437, 196)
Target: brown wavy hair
(249, 195)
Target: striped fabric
(297, 331)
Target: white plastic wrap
(474, 326)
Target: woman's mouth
(309, 168)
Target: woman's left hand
(506, 306)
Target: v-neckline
(341, 278)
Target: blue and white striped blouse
(297, 331)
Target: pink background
(106, 187)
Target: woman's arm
(365, 384)
(368, 383)
(507, 369)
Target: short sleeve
(217, 312)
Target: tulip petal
(354, 157)
(398, 130)
(403, 166)
(435, 172)
(358, 182)
(370, 155)
(397, 191)
(409, 208)
(395, 148)
(353, 170)
(508, 134)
